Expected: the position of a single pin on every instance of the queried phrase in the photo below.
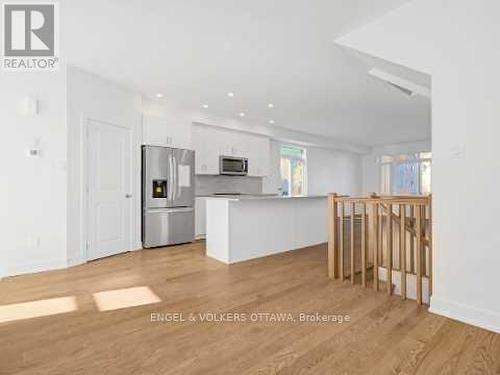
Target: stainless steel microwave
(233, 165)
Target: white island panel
(217, 238)
(242, 229)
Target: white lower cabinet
(200, 217)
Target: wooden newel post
(341, 250)
(418, 229)
(390, 248)
(402, 248)
(333, 248)
(351, 242)
(430, 245)
(363, 245)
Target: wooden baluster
(389, 248)
(363, 244)
(430, 246)
(380, 234)
(412, 241)
(423, 217)
(375, 244)
(397, 232)
(402, 248)
(353, 266)
(333, 249)
(418, 229)
(341, 238)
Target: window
(293, 171)
(406, 174)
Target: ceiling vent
(402, 85)
(402, 89)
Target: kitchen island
(242, 228)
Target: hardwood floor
(384, 336)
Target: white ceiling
(265, 51)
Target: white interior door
(109, 189)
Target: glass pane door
(293, 171)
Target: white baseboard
(33, 267)
(486, 319)
(49, 265)
(76, 262)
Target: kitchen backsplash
(206, 185)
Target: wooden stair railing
(364, 234)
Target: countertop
(262, 197)
(235, 195)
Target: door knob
(128, 195)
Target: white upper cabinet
(158, 131)
(207, 150)
(259, 161)
(210, 143)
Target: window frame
(395, 160)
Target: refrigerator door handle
(171, 182)
(174, 172)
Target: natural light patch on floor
(34, 309)
(122, 298)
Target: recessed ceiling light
(205, 106)
(270, 105)
(230, 94)
(242, 114)
(271, 122)
(159, 95)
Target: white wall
(327, 171)
(32, 190)
(91, 97)
(332, 171)
(272, 183)
(456, 41)
(371, 172)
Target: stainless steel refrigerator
(167, 196)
